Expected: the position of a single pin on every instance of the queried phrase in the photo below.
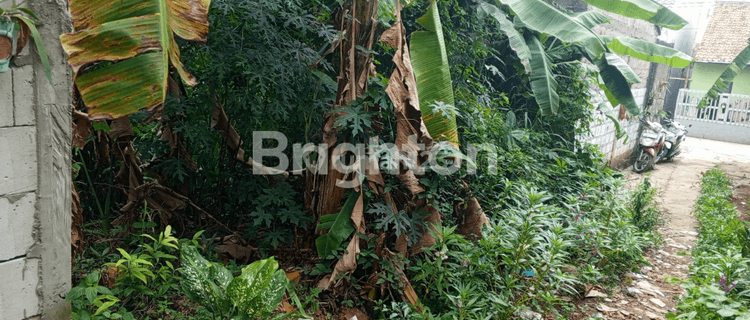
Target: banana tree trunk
(357, 22)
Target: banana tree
(130, 46)
(539, 20)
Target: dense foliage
(558, 218)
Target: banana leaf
(608, 112)
(617, 76)
(432, 71)
(340, 225)
(543, 82)
(647, 10)
(544, 18)
(515, 39)
(617, 62)
(133, 43)
(647, 51)
(591, 19)
(31, 24)
(731, 71)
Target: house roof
(726, 34)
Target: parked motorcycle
(676, 134)
(658, 142)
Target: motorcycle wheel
(662, 154)
(642, 162)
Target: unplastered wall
(35, 176)
(603, 130)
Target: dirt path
(647, 295)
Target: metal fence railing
(731, 109)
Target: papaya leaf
(432, 71)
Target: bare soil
(741, 184)
(647, 294)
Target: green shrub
(644, 213)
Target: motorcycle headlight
(650, 135)
(646, 141)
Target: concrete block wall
(35, 170)
(603, 134)
(18, 200)
(603, 130)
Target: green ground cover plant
(719, 277)
(537, 251)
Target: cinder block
(6, 99)
(18, 160)
(23, 88)
(17, 223)
(18, 299)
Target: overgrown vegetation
(556, 217)
(720, 275)
(531, 257)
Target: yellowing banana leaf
(515, 39)
(731, 71)
(136, 39)
(544, 18)
(543, 82)
(647, 51)
(434, 84)
(647, 10)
